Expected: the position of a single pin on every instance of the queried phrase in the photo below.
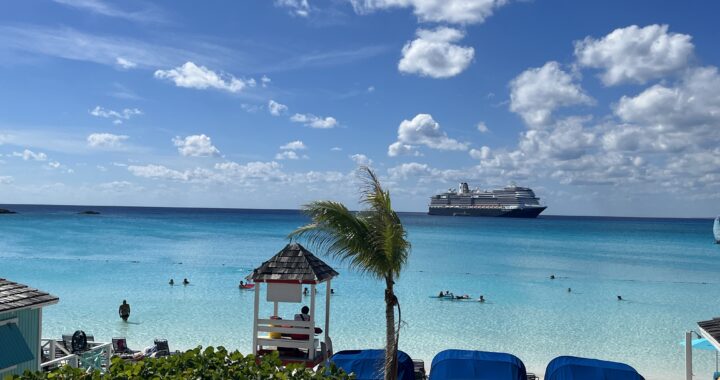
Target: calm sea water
(665, 269)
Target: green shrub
(210, 364)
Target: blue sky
(602, 107)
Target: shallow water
(665, 270)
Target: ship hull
(514, 213)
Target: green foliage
(207, 364)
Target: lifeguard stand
(285, 274)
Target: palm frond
(373, 241)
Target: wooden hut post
(688, 355)
(256, 312)
(328, 291)
(313, 290)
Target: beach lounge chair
(477, 365)
(419, 369)
(121, 349)
(162, 347)
(574, 368)
(368, 364)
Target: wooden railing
(292, 334)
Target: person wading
(124, 311)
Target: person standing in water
(186, 282)
(172, 282)
(124, 311)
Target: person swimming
(619, 298)
(186, 282)
(242, 285)
(552, 276)
(482, 298)
(172, 282)
(332, 291)
(124, 311)
(569, 290)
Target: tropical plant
(372, 241)
(199, 364)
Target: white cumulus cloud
(482, 127)
(294, 145)
(434, 54)
(449, 11)
(537, 92)
(399, 149)
(190, 75)
(163, 172)
(276, 108)
(410, 169)
(259, 170)
(289, 155)
(361, 159)
(634, 54)
(295, 7)
(481, 154)
(28, 155)
(195, 146)
(312, 121)
(117, 116)
(422, 130)
(107, 140)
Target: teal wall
(28, 322)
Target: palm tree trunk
(390, 341)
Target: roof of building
(711, 329)
(14, 296)
(293, 263)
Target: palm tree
(372, 241)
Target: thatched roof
(293, 263)
(711, 328)
(14, 296)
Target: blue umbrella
(704, 344)
(701, 344)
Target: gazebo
(285, 275)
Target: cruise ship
(512, 201)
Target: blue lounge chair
(574, 368)
(477, 365)
(368, 364)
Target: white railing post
(108, 355)
(256, 311)
(688, 355)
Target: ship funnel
(464, 188)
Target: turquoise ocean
(666, 270)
